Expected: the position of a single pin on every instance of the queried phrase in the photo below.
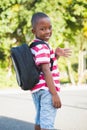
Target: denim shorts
(45, 112)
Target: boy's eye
(42, 29)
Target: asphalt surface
(17, 110)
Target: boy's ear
(33, 31)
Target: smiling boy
(45, 93)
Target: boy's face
(43, 29)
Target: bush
(7, 79)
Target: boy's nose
(48, 31)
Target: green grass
(6, 81)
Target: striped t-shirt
(42, 54)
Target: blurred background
(69, 23)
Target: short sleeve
(42, 54)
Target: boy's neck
(39, 39)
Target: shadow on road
(7, 123)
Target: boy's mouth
(47, 37)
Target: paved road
(17, 111)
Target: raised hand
(65, 52)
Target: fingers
(67, 52)
(56, 101)
(57, 105)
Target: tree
(69, 20)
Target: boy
(45, 93)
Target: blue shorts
(45, 112)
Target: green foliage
(5, 81)
(69, 23)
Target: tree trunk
(70, 72)
(81, 66)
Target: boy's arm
(65, 52)
(51, 86)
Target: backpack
(27, 74)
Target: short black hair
(36, 17)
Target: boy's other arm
(51, 86)
(65, 52)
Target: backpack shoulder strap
(37, 43)
(42, 42)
